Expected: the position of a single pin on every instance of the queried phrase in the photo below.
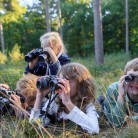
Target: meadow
(11, 70)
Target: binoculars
(131, 78)
(38, 52)
(46, 82)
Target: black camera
(131, 78)
(4, 101)
(38, 52)
(46, 82)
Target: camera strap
(50, 101)
(48, 72)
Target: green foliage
(77, 28)
(77, 25)
(3, 58)
(15, 54)
(113, 25)
(27, 31)
(11, 10)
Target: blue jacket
(40, 69)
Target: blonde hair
(27, 85)
(132, 64)
(53, 38)
(86, 85)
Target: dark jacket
(40, 69)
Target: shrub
(15, 54)
(3, 58)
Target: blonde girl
(51, 43)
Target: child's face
(133, 86)
(28, 101)
(73, 88)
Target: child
(50, 42)
(76, 96)
(121, 102)
(26, 87)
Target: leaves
(25, 26)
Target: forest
(23, 26)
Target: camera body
(6, 92)
(4, 101)
(38, 52)
(131, 78)
(48, 82)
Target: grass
(109, 72)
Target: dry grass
(104, 75)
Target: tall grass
(110, 71)
(107, 73)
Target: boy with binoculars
(121, 102)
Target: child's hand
(51, 53)
(42, 93)
(64, 91)
(16, 104)
(122, 87)
(5, 86)
(64, 94)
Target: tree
(77, 17)
(60, 19)
(98, 36)
(47, 16)
(127, 39)
(11, 11)
(2, 37)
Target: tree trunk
(98, 35)
(47, 17)
(60, 19)
(127, 39)
(2, 37)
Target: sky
(28, 2)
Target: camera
(46, 82)
(131, 78)
(4, 101)
(38, 52)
